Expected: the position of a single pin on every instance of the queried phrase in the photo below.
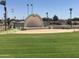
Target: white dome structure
(34, 20)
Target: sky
(53, 7)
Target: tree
(2, 2)
(75, 19)
(45, 19)
(47, 14)
(55, 18)
(69, 21)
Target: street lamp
(3, 2)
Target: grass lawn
(40, 45)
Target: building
(33, 20)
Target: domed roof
(33, 20)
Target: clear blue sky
(58, 7)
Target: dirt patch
(40, 31)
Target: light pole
(47, 14)
(32, 8)
(70, 9)
(27, 9)
(3, 2)
(12, 10)
(70, 13)
(48, 19)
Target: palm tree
(3, 2)
(55, 18)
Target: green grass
(40, 45)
